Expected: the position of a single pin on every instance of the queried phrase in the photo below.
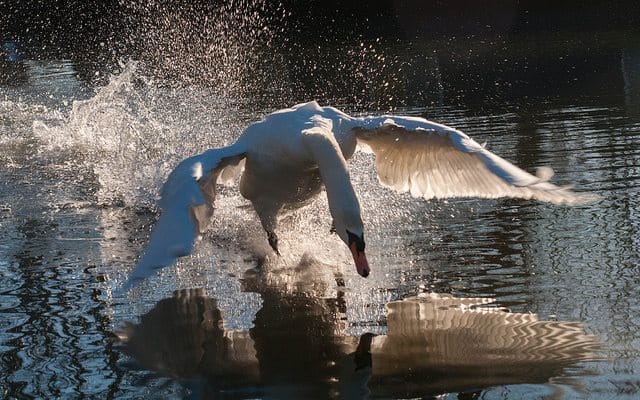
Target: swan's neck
(343, 203)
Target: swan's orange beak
(362, 265)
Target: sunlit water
(501, 298)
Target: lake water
(468, 298)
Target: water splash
(194, 64)
(219, 44)
(105, 130)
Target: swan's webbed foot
(273, 241)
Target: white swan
(291, 154)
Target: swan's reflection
(440, 343)
(182, 337)
(435, 344)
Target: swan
(290, 155)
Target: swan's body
(291, 154)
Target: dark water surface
(467, 298)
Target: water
(467, 298)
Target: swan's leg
(268, 214)
(333, 227)
(273, 241)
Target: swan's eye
(359, 241)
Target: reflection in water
(630, 66)
(440, 343)
(182, 337)
(435, 344)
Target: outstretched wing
(432, 160)
(186, 206)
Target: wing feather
(186, 206)
(431, 160)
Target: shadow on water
(298, 348)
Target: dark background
(65, 28)
(379, 54)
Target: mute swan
(292, 153)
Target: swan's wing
(432, 160)
(186, 206)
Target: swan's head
(356, 245)
(354, 239)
